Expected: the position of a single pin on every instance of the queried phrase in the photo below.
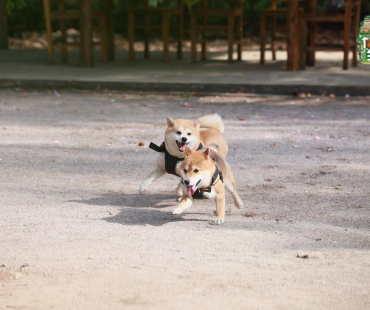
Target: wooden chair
(105, 22)
(166, 14)
(273, 12)
(350, 19)
(232, 14)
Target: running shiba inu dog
(205, 175)
(180, 134)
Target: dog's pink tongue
(182, 146)
(191, 189)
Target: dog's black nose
(184, 139)
(186, 182)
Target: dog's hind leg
(155, 174)
(231, 188)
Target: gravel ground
(75, 233)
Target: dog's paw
(178, 199)
(177, 211)
(218, 221)
(142, 189)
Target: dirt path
(75, 234)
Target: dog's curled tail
(213, 121)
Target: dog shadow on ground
(138, 209)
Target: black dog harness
(170, 160)
(199, 193)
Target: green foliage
(28, 15)
(190, 3)
(25, 15)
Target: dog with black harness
(205, 175)
(170, 161)
(181, 134)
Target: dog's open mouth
(181, 146)
(193, 188)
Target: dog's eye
(179, 132)
(196, 170)
(185, 171)
(189, 133)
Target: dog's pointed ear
(170, 122)
(187, 151)
(197, 126)
(207, 152)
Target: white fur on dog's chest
(178, 170)
(210, 195)
(161, 161)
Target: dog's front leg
(155, 174)
(185, 203)
(179, 191)
(220, 207)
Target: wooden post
(108, 8)
(273, 33)
(48, 32)
(181, 29)
(310, 8)
(240, 30)
(293, 35)
(86, 33)
(63, 29)
(230, 36)
(111, 38)
(131, 35)
(104, 45)
(347, 32)
(302, 61)
(103, 36)
(3, 25)
(193, 36)
(204, 31)
(240, 37)
(166, 35)
(262, 37)
(355, 23)
(147, 31)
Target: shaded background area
(27, 16)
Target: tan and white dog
(205, 175)
(181, 133)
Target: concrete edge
(190, 87)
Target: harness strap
(217, 176)
(157, 148)
(200, 146)
(170, 160)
